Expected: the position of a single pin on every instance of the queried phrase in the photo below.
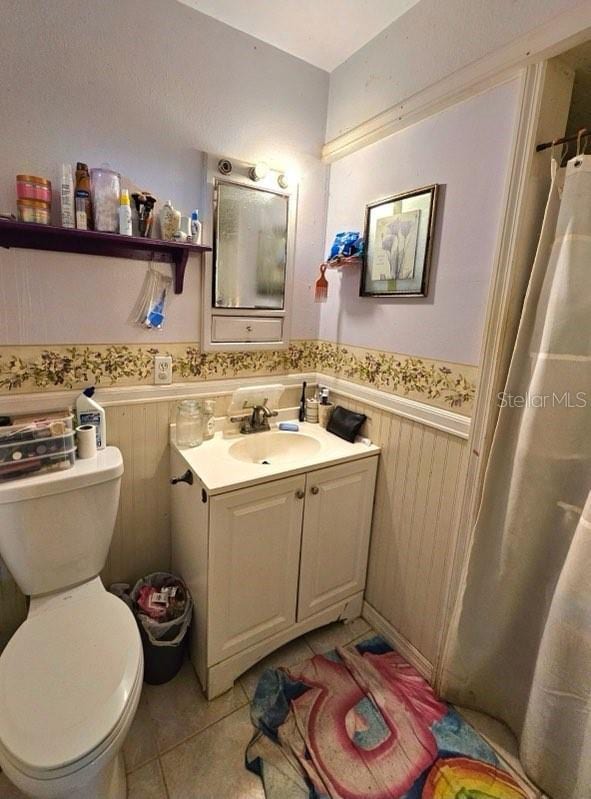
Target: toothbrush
(302, 416)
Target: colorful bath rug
(361, 723)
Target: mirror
(250, 247)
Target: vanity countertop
(228, 462)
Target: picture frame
(398, 244)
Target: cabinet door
(254, 553)
(335, 542)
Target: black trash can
(164, 641)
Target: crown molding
(553, 37)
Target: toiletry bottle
(90, 412)
(67, 197)
(208, 419)
(124, 214)
(195, 227)
(83, 191)
(81, 221)
(170, 221)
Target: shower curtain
(519, 647)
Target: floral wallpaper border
(29, 369)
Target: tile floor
(181, 746)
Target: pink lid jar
(31, 187)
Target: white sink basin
(274, 447)
(228, 462)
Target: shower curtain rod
(563, 140)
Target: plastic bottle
(125, 214)
(90, 412)
(81, 221)
(195, 227)
(83, 192)
(67, 197)
(208, 419)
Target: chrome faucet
(258, 421)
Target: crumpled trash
(162, 604)
(164, 614)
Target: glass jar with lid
(189, 424)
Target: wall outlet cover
(162, 369)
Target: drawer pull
(314, 490)
(249, 328)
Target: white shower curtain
(520, 642)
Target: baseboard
(221, 676)
(398, 641)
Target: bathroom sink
(274, 447)
(227, 462)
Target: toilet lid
(65, 679)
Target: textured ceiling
(323, 32)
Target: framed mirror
(250, 219)
(250, 247)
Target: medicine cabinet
(247, 281)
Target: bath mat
(361, 723)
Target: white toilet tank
(56, 529)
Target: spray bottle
(89, 411)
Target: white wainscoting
(419, 487)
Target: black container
(164, 643)
(161, 663)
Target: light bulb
(259, 171)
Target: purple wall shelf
(89, 242)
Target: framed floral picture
(398, 242)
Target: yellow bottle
(125, 214)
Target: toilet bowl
(70, 682)
(71, 675)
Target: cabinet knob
(314, 490)
(249, 328)
(300, 494)
(187, 477)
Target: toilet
(71, 675)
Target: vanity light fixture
(258, 171)
(225, 166)
(282, 181)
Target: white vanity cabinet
(254, 554)
(335, 534)
(269, 562)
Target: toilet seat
(69, 678)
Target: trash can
(163, 608)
